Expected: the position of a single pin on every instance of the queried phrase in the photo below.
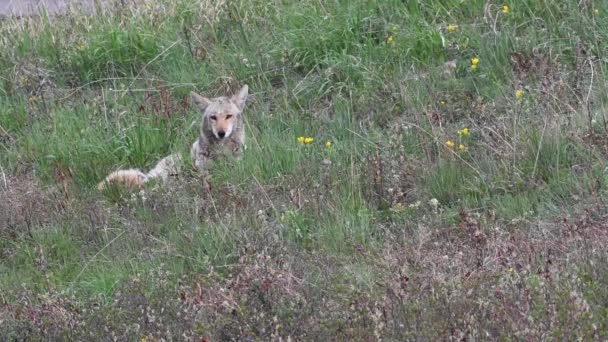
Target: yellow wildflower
(464, 131)
(390, 39)
(301, 140)
(596, 11)
(474, 62)
(452, 28)
(505, 9)
(308, 140)
(510, 269)
(328, 144)
(462, 147)
(519, 93)
(449, 143)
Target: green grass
(341, 241)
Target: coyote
(222, 129)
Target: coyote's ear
(201, 102)
(241, 97)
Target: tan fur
(170, 165)
(222, 127)
(131, 178)
(134, 178)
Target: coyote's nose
(221, 134)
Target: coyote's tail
(133, 178)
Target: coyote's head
(221, 113)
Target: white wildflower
(414, 205)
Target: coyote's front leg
(237, 148)
(199, 153)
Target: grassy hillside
(455, 188)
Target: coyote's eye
(229, 116)
(213, 117)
